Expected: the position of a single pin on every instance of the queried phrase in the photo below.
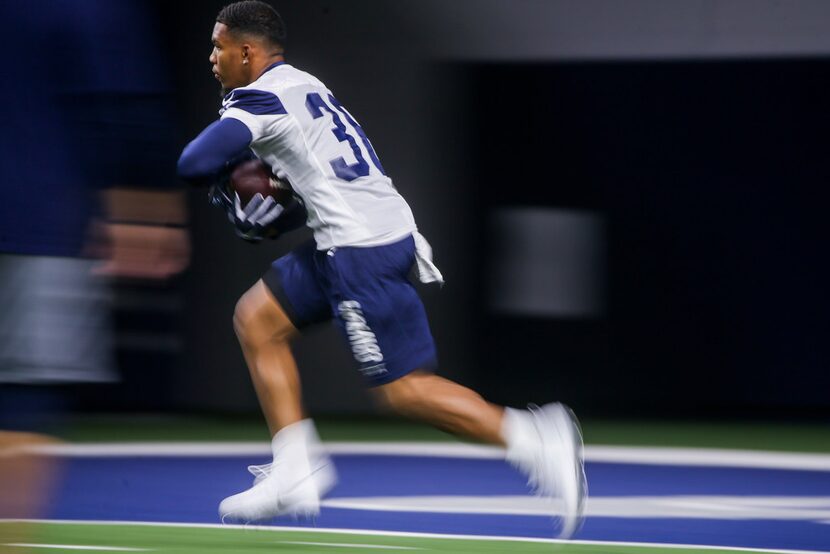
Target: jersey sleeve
(260, 110)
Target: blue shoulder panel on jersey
(256, 102)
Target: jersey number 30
(348, 172)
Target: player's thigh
(288, 298)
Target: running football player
(354, 271)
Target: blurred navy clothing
(32, 408)
(85, 110)
(44, 207)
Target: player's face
(227, 59)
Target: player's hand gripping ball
(259, 199)
(252, 177)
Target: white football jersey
(309, 139)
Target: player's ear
(246, 53)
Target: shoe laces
(260, 472)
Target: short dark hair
(255, 18)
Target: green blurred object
(805, 437)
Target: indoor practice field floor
(149, 486)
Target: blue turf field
(188, 489)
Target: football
(252, 177)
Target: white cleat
(292, 485)
(562, 471)
(271, 498)
(546, 445)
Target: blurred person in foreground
(354, 271)
(76, 121)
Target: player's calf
(444, 404)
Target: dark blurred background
(627, 200)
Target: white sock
(312, 439)
(290, 444)
(519, 434)
(301, 453)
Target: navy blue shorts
(368, 293)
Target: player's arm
(207, 160)
(247, 116)
(221, 145)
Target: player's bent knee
(258, 317)
(244, 316)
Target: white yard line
(420, 535)
(708, 457)
(77, 547)
(791, 508)
(350, 545)
(593, 453)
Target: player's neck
(259, 67)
